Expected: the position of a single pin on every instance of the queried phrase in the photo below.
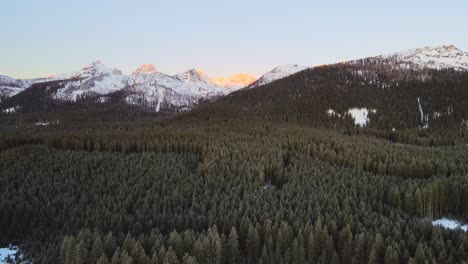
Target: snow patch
(450, 224)
(424, 119)
(331, 112)
(103, 99)
(42, 123)
(132, 99)
(161, 97)
(464, 124)
(10, 110)
(46, 123)
(11, 254)
(360, 115)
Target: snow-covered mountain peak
(93, 79)
(97, 68)
(146, 68)
(443, 50)
(97, 63)
(238, 80)
(94, 69)
(278, 73)
(192, 75)
(436, 57)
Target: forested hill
(392, 98)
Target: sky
(222, 38)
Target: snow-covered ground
(450, 224)
(360, 115)
(8, 253)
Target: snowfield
(450, 224)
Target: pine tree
(252, 243)
(138, 253)
(125, 258)
(420, 256)
(109, 244)
(175, 241)
(377, 252)
(312, 253)
(296, 252)
(97, 250)
(66, 250)
(102, 259)
(80, 253)
(359, 251)
(190, 260)
(116, 256)
(170, 257)
(391, 256)
(232, 250)
(373, 257)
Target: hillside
(379, 93)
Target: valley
(357, 162)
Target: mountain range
(156, 91)
(146, 86)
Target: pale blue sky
(45, 37)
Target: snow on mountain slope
(10, 86)
(94, 69)
(93, 79)
(278, 73)
(191, 76)
(181, 91)
(145, 86)
(438, 57)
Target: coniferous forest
(259, 176)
